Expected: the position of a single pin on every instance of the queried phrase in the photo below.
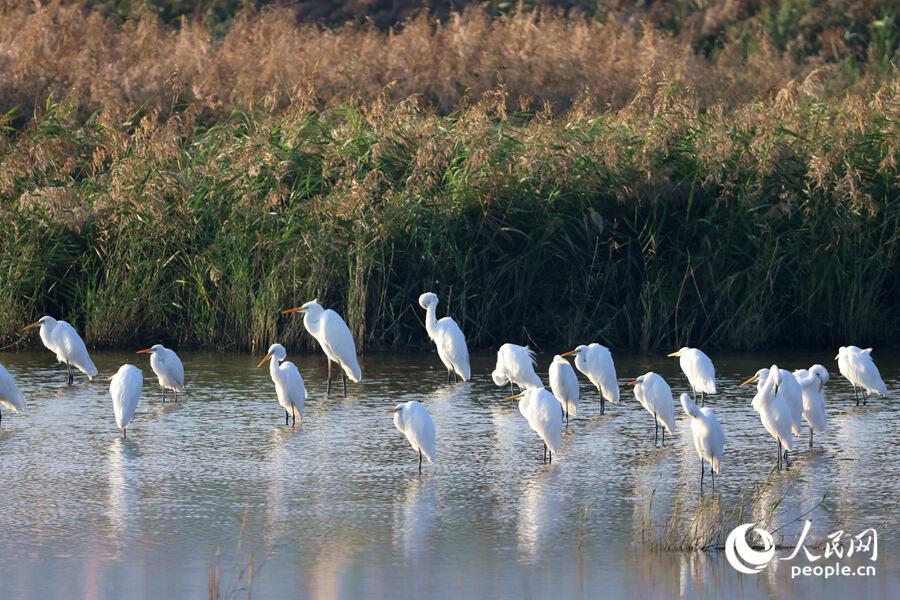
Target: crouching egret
(449, 339)
(413, 421)
(288, 383)
(774, 411)
(699, 370)
(564, 385)
(655, 395)
(62, 339)
(334, 337)
(541, 410)
(812, 383)
(790, 388)
(10, 395)
(168, 368)
(709, 438)
(125, 389)
(515, 364)
(857, 366)
(596, 363)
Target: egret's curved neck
(311, 322)
(273, 368)
(431, 320)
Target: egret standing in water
(288, 383)
(812, 384)
(413, 421)
(699, 370)
(857, 366)
(10, 395)
(596, 362)
(62, 339)
(774, 411)
(168, 368)
(334, 337)
(564, 385)
(541, 409)
(709, 438)
(515, 364)
(655, 395)
(449, 339)
(125, 389)
(790, 388)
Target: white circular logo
(744, 558)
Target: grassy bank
(673, 214)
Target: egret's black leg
(420, 462)
(713, 473)
(344, 378)
(544, 460)
(176, 396)
(787, 463)
(550, 454)
(856, 395)
(163, 394)
(663, 436)
(865, 397)
(567, 419)
(810, 437)
(449, 376)
(779, 455)
(285, 417)
(69, 378)
(328, 391)
(294, 416)
(655, 429)
(602, 406)
(124, 432)
(701, 474)
(1, 416)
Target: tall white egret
(564, 385)
(168, 368)
(857, 366)
(288, 383)
(709, 438)
(541, 409)
(790, 389)
(449, 339)
(655, 395)
(774, 411)
(699, 370)
(64, 341)
(413, 421)
(812, 383)
(125, 389)
(334, 337)
(10, 395)
(515, 364)
(596, 363)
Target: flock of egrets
(783, 399)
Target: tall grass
(150, 194)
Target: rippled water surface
(335, 508)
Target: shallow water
(335, 508)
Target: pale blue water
(336, 509)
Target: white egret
(10, 395)
(125, 389)
(168, 368)
(449, 339)
(812, 383)
(790, 389)
(64, 341)
(596, 363)
(655, 395)
(699, 370)
(334, 337)
(774, 411)
(413, 421)
(564, 385)
(709, 438)
(515, 364)
(288, 383)
(541, 410)
(857, 366)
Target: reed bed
(149, 192)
